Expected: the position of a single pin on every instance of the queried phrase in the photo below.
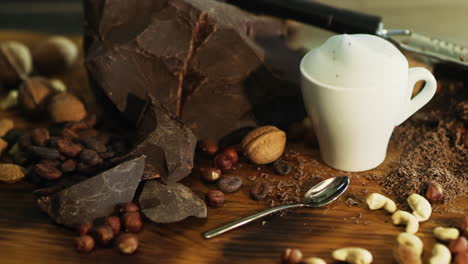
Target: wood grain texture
(28, 236)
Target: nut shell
(264, 144)
(15, 62)
(65, 107)
(54, 55)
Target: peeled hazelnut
(65, 107)
(132, 222)
(127, 243)
(5, 126)
(291, 256)
(84, 228)
(103, 234)
(114, 223)
(223, 162)
(84, 243)
(264, 144)
(434, 193)
(210, 174)
(15, 62)
(32, 94)
(11, 173)
(231, 153)
(208, 147)
(128, 208)
(54, 55)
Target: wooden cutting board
(28, 236)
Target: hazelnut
(210, 174)
(215, 198)
(231, 153)
(84, 244)
(208, 147)
(11, 173)
(223, 162)
(127, 243)
(15, 62)
(84, 228)
(462, 225)
(132, 222)
(103, 234)
(54, 55)
(434, 193)
(5, 126)
(114, 223)
(264, 144)
(291, 256)
(32, 94)
(65, 107)
(458, 245)
(128, 208)
(461, 258)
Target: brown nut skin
(208, 147)
(210, 174)
(54, 55)
(231, 153)
(223, 162)
(114, 223)
(84, 243)
(215, 198)
(32, 94)
(128, 208)
(434, 193)
(132, 222)
(458, 245)
(291, 256)
(103, 234)
(65, 107)
(15, 62)
(127, 243)
(84, 228)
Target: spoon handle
(234, 224)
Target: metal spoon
(321, 194)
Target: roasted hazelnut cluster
(118, 230)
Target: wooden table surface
(28, 236)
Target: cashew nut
(412, 241)
(421, 207)
(376, 201)
(408, 249)
(402, 218)
(314, 260)
(58, 85)
(440, 255)
(446, 234)
(353, 255)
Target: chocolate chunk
(215, 66)
(94, 197)
(170, 203)
(167, 142)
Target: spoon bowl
(319, 195)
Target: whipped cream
(354, 61)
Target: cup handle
(416, 74)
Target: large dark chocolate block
(216, 67)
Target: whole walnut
(65, 107)
(54, 55)
(15, 62)
(33, 93)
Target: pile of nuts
(261, 145)
(409, 247)
(108, 233)
(352, 255)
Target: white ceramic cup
(354, 124)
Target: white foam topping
(354, 61)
